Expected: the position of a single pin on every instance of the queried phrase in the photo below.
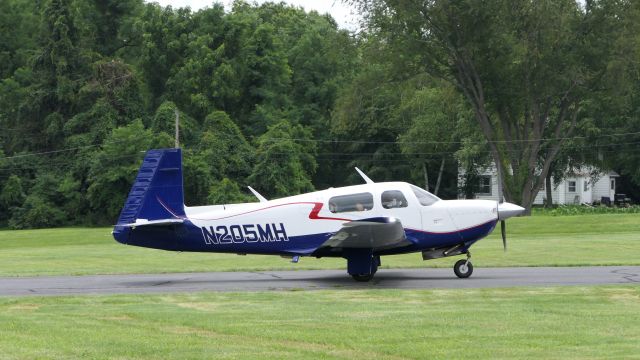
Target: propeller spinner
(505, 211)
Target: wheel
(463, 269)
(362, 277)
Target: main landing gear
(362, 277)
(463, 268)
(362, 264)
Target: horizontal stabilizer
(161, 222)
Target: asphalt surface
(316, 279)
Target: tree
(519, 65)
(87, 86)
(365, 123)
(11, 196)
(616, 106)
(106, 18)
(113, 169)
(437, 119)
(18, 24)
(227, 191)
(283, 166)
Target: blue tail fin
(157, 192)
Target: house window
(484, 187)
(393, 199)
(353, 202)
(586, 186)
(613, 184)
(572, 185)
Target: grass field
(549, 323)
(604, 239)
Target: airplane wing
(374, 233)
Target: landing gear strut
(463, 268)
(362, 264)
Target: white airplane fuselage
(359, 223)
(300, 224)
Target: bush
(564, 210)
(37, 213)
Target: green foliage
(281, 99)
(17, 34)
(525, 68)
(113, 169)
(164, 120)
(37, 212)
(11, 196)
(12, 192)
(227, 191)
(197, 179)
(283, 164)
(93, 84)
(582, 210)
(225, 148)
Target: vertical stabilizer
(157, 192)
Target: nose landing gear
(463, 268)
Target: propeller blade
(503, 227)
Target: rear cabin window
(424, 197)
(392, 199)
(353, 202)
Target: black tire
(461, 270)
(362, 277)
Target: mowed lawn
(533, 241)
(522, 323)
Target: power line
(48, 152)
(51, 152)
(454, 142)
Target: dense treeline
(280, 99)
(89, 85)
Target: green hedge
(563, 210)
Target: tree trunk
(439, 177)
(549, 203)
(426, 176)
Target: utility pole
(177, 128)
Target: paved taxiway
(316, 279)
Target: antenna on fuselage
(257, 194)
(365, 177)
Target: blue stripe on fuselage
(188, 237)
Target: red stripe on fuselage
(313, 215)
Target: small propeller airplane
(360, 223)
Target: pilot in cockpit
(390, 200)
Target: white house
(578, 187)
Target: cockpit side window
(424, 197)
(352, 202)
(392, 199)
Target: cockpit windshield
(424, 197)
